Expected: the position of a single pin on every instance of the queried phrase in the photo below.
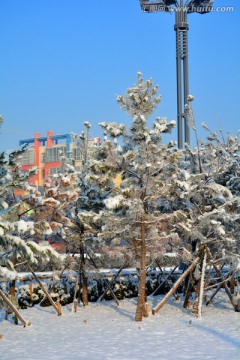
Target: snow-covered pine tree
(208, 187)
(85, 215)
(49, 210)
(70, 204)
(15, 233)
(148, 168)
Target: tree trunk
(76, 296)
(142, 280)
(76, 289)
(12, 287)
(232, 285)
(186, 303)
(136, 246)
(83, 277)
(85, 289)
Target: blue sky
(63, 61)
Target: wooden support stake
(146, 310)
(76, 289)
(166, 280)
(43, 288)
(163, 282)
(112, 282)
(59, 308)
(31, 290)
(218, 287)
(201, 290)
(190, 287)
(231, 298)
(232, 285)
(208, 275)
(237, 307)
(111, 291)
(212, 296)
(75, 305)
(175, 286)
(14, 309)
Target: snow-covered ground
(105, 331)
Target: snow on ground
(103, 331)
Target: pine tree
(209, 185)
(148, 168)
(85, 218)
(15, 232)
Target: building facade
(44, 152)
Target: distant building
(45, 154)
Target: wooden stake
(163, 282)
(175, 286)
(31, 290)
(114, 296)
(190, 286)
(75, 305)
(208, 275)
(112, 282)
(219, 286)
(166, 280)
(111, 291)
(108, 285)
(237, 307)
(59, 308)
(231, 298)
(196, 302)
(201, 290)
(43, 288)
(146, 310)
(14, 309)
(232, 284)
(76, 289)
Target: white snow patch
(113, 202)
(7, 274)
(106, 332)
